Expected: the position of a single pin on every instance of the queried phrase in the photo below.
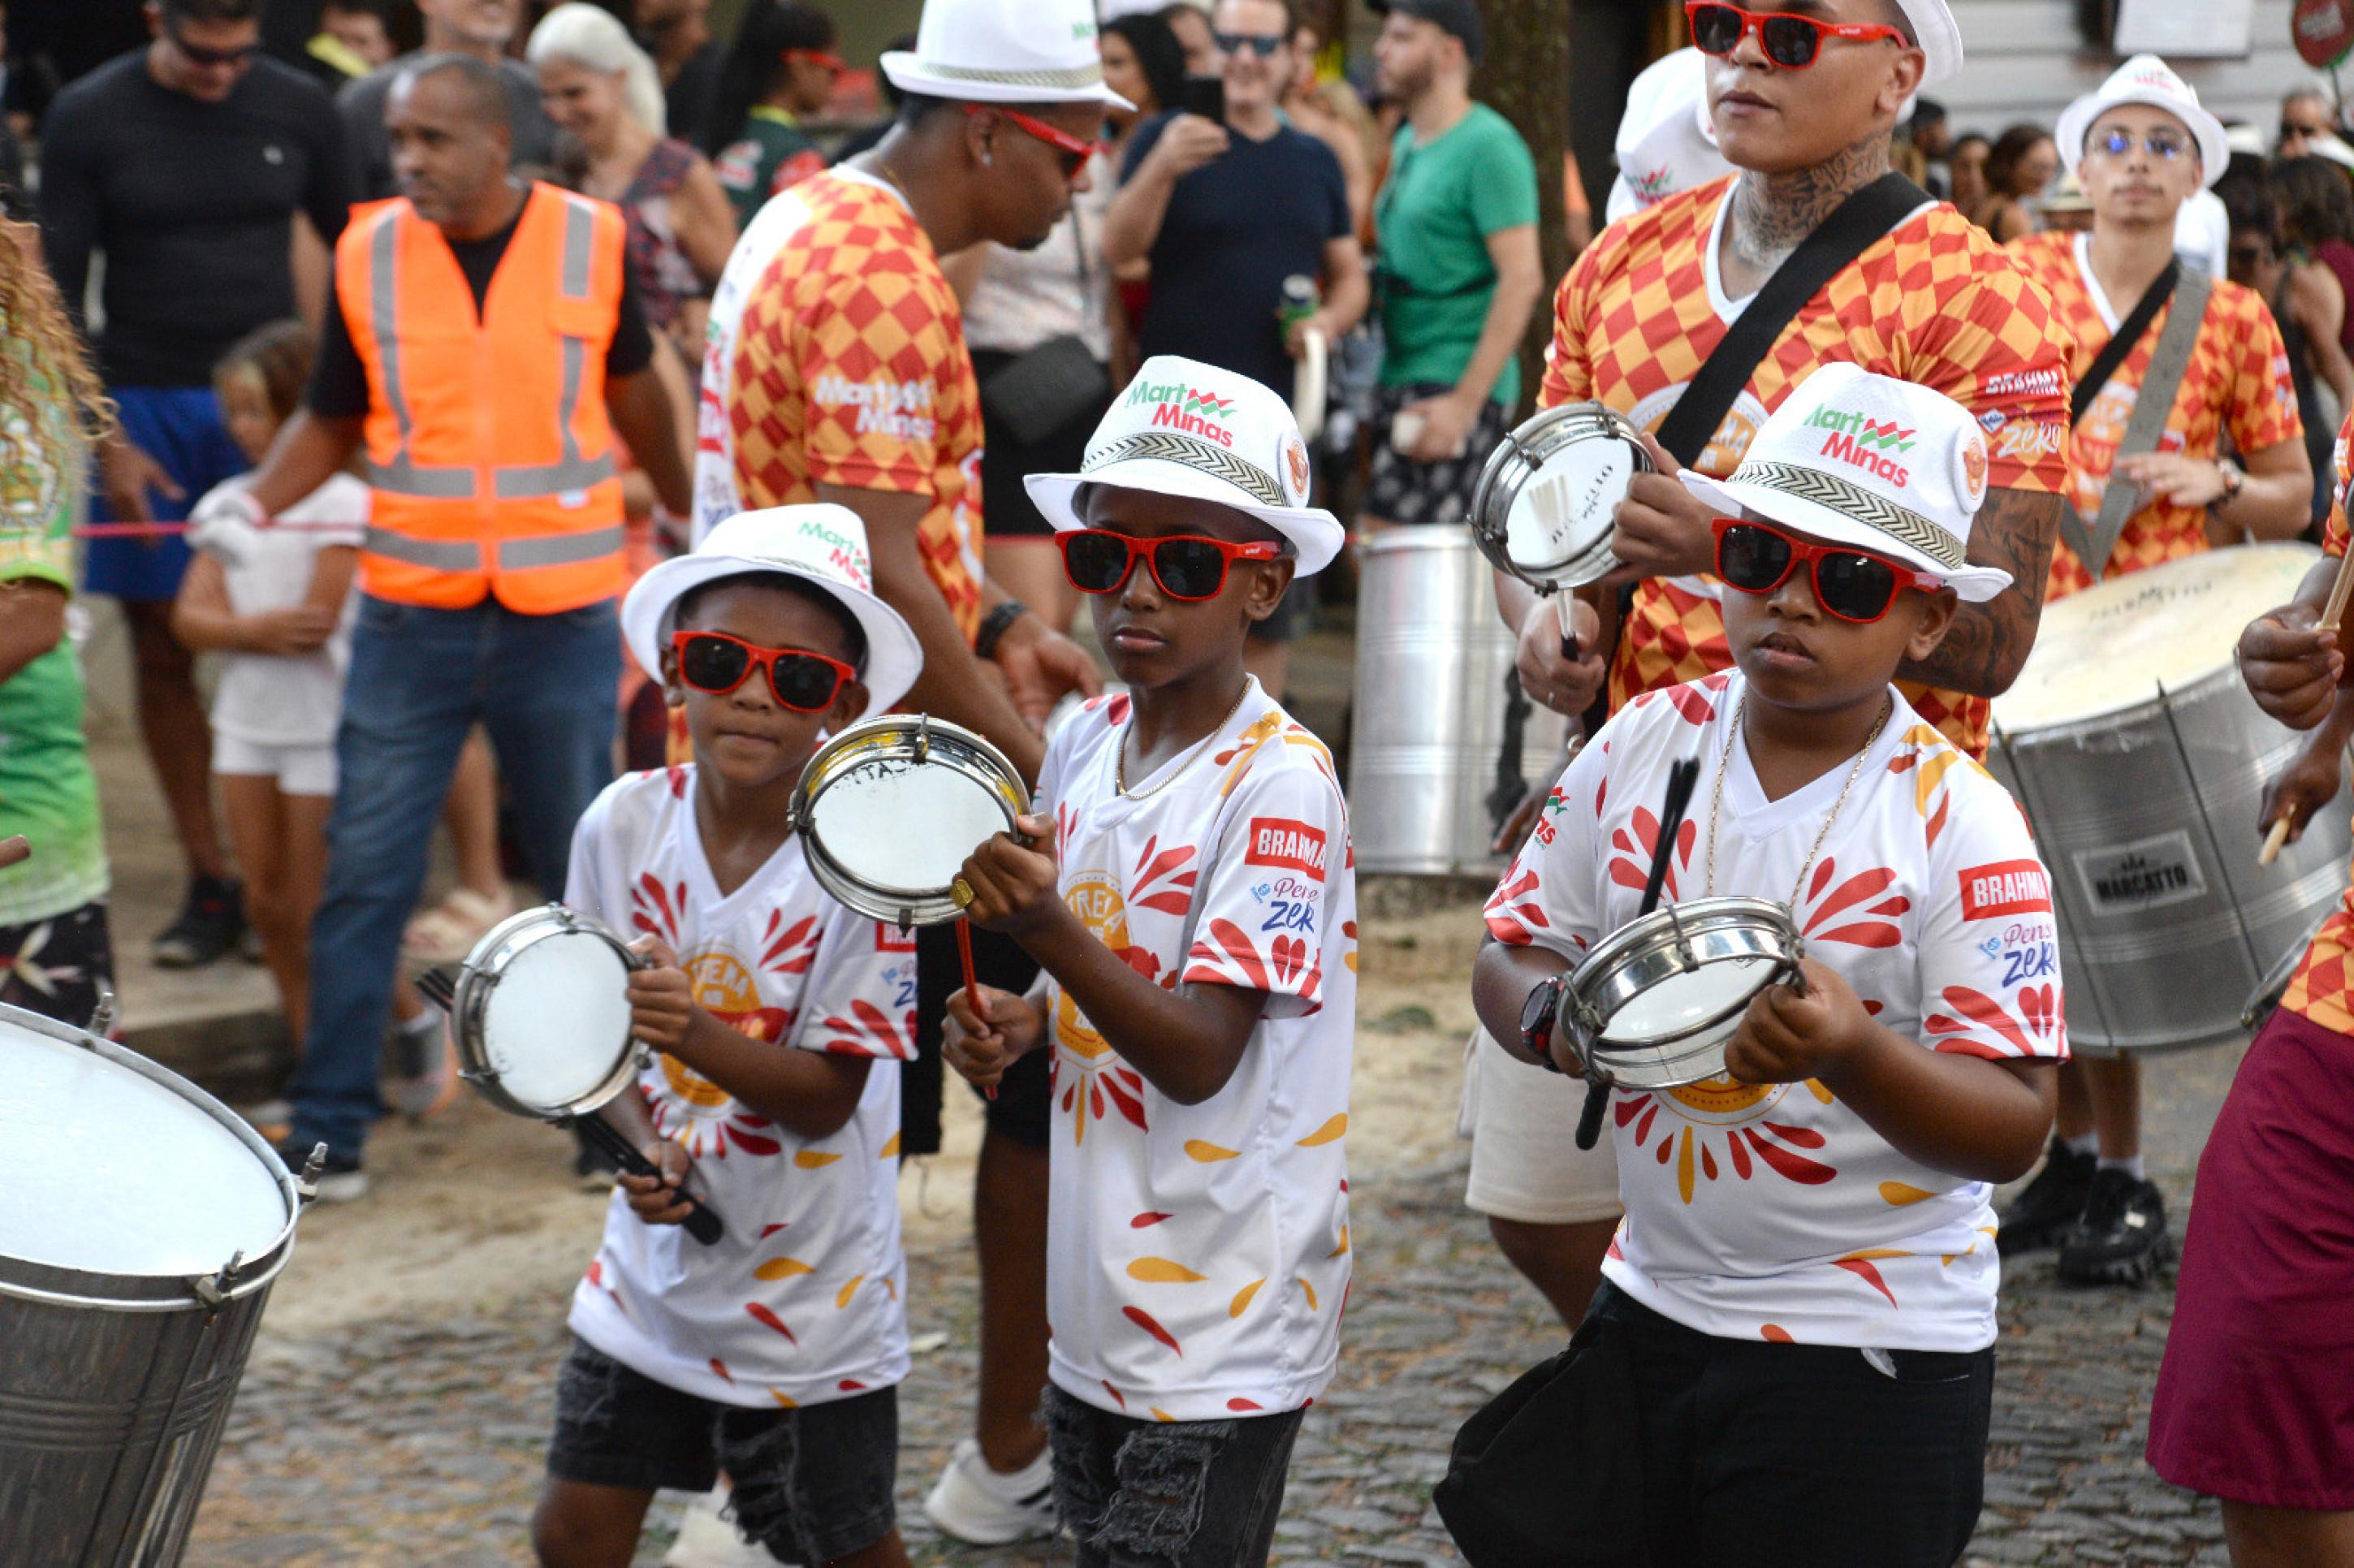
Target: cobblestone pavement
(406, 1443)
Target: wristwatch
(993, 627)
(1537, 1018)
(2234, 478)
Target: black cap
(1460, 17)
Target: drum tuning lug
(306, 1185)
(923, 738)
(213, 1289)
(102, 1016)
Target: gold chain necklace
(1725, 766)
(1119, 757)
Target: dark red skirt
(2255, 1400)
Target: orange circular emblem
(1974, 467)
(1295, 468)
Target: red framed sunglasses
(1789, 40)
(715, 662)
(834, 64)
(1187, 566)
(1851, 584)
(1075, 153)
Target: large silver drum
(2141, 762)
(1431, 660)
(140, 1232)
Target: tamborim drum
(889, 809)
(1541, 509)
(1654, 1003)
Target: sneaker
(211, 923)
(424, 1078)
(980, 1507)
(2048, 1208)
(341, 1178)
(2122, 1238)
(708, 1539)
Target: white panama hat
(1941, 40)
(1005, 51)
(1667, 143)
(2145, 80)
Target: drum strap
(2170, 358)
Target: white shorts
(1525, 1162)
(299, 769)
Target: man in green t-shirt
(1457, 228)
(54, 949)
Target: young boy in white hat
(1187, 885)
(1803, 1290)
(774, 1354)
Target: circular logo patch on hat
(1292, 466)
(1973, 469)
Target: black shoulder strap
(1851, 229)
(2129, 332)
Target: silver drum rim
(1640, 954)
(478, 978)
(1517, 460)
(897, 737)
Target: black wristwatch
(1538, 1015)
(993, 626)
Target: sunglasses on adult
(199, 54)
(2164, 145)
(715, 662)
(833, 64)
(1789, 40)
(1075, 153)
(1186, 565)
(1851, 584)
(1263, 45)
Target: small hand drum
(540, 1017)
(889, 809)
(1541, 509)
(1653, 1005)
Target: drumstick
(2338, 590)
(15, 850)
(1682, 777)
(972, 986)
(1562, 607)
(2274, 839)
(702, 1221)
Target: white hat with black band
(2144, 80)
(1005, 51)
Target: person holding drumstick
(774, 1354)
(1790, 1359)
(2142, 144)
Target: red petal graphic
(767, 1231)
(1804, 1137)
(1150, 1217)
(1689, 702)
(1241, 1404)
(721, 1368)
(1127, 1104)
(1861, 1268)
(1114, 1393)
(1143, 1319)
(1794, 1166)
(762, 1315)
(1982, 1009)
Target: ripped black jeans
(1155, 1494)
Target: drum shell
(1431, 660)
(114, 1388)
(2165, 795)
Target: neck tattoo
(1773, 214)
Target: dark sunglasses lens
(1856, 586)
(1096, 563)
(714, 663)
(802, 683)
(1716, 29)
(1751, 559)
(1189, 568)
(1790, 40)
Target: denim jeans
(543, 687)
(1153, 1494)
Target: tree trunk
(1526, 79)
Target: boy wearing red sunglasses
(1801, 1298)
(775, 1354)
(1187, 886)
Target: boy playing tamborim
(775, 1354)
(1803, 1289)
(1186, 881)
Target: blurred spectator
(353, 39)
(1459, 264)
(782, 66)
(1930, 134)
(1331, 112)
(677, 33)
(1144, 64)
(54, 949)
(1225, 214)
(2316, 228)
(2021, 162)
(1966, 165)
(184, 163)
(480, 29)
(1190, 24)
(601, 89)
(1666, 141)
(2066, 209)
(893, 99)
(2303, 295)
(2304, 118)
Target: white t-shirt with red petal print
(1198, 1256)
(802, 1302)
(1775, 1211)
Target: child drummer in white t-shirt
(778, 1016)
(1187, 886)
(1800, 1307)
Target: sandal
(448, 932)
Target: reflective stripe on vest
(515, 555)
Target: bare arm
(640, 409)
(813, 1093)
(32, 622)
(310, 450)
(1133, 221)
(2317, 302)
(1519, 284)
(2277, 500)
(1347, 290)
(1501, 982)
(706, 220)
(1987, 645)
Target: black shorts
(1190, 1494)
(1400, 489)
(809, 1483)
(1023, 1100)
(1004, 460)
(54, 966)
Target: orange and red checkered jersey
(1935, 302)
(837, 356)
(2323, 987)
(2238, 382)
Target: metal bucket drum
(2141, 762)
(1431, 662)
(137, 1247)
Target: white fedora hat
(1941, 40)
(1667, 143)
(1005, 51)
(2145, 80)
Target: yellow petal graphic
(1208, 1153)
(1684, 1165)
(1311, 1294)
(780, 1268)
(1161, 1415)
(842, 1297)
(781, 1399)
(815, 1160)
(1816, 1088)
(1329, 1132)
(1344, 1244)
(1162, 1271)
(1897, 1194)
(1350, 959)
(1242, 1298)
(890, 1150)
(1872, 1252)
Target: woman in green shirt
(782, 66)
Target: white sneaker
(707, 1541)
(980, 1507)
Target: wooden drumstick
(1562, 607)
(972, 986)
(2279, 834)
(15, 850)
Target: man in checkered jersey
(1935, 302)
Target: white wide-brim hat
(1182, 428)
(1883, 465)
(822, 544)
(2145, 80)
(1005, 51)
(1666, 142)
(1941, 41)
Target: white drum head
(1684, 1002)
(116, 1173)
(558, 1019)
(1564, 510)
(904, 828)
